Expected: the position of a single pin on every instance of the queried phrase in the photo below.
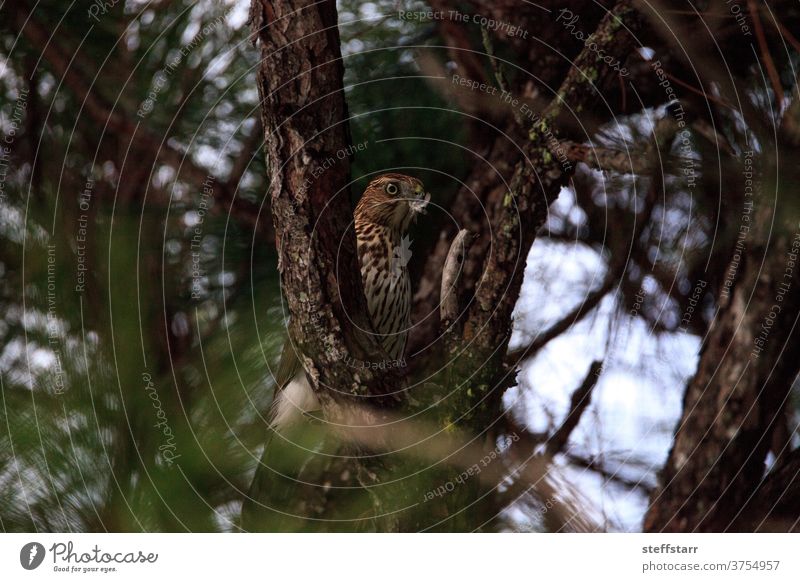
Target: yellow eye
(391, 188)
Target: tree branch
(586, 306)
(772, 71)
(535, 185)
(595, 465)
(580, 400)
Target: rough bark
(775, 506)
(300, 81)
(314, 470)
(748, 363)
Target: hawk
(389, 205)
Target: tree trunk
(307, 143)
(749, 361)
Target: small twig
(578, 403)
(250, 146)
(589, 303)
(497, 67)
(705, 95)
(609, 475)
(700, 92)
(499, 73)
(787, 35)
(774, 77)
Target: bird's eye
(391, 188)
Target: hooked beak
(421, 200)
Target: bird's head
(392, 200)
